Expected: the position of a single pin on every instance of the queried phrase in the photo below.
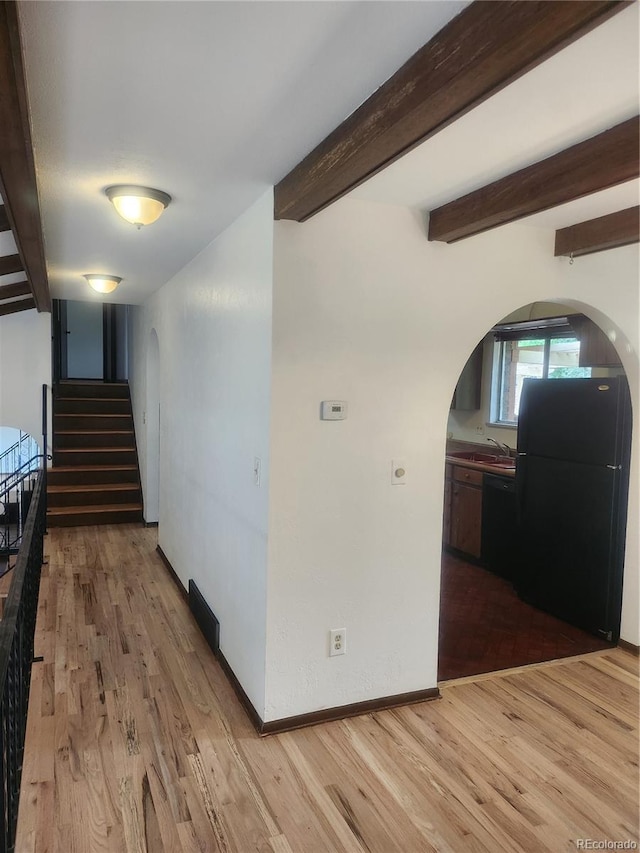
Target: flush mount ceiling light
(138, 205)
(103, 283)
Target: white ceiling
(215, 101)
(210, 101)
(584, 89)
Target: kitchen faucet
(504, 449)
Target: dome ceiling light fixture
(138, 205)
(102, 283)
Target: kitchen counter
(484, 466)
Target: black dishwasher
(499, 525)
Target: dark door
(59, 334)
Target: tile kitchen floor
(484, 626)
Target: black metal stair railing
(16, 491)
(12, 457)
(17, 629)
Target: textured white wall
(25, 366)
(213, 322)
(367, 310)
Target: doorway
(89, 341)
(484, 624)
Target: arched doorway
(485, 623)
(152, 424)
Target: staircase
(94, 478)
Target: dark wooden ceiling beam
(487, 46)
(600, 162)
(10, 264)
(4, 219)
(596, 235)
(17, 170)
(11, 291)
(18, 305)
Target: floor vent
(205, 618)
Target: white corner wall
(368, 311)
(213, 323)
(25, 366)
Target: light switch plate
(398, 473)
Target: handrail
(17, 630)
(45, 440)
(15, 450)
(14, 503)
(9, 450)
(6, 485)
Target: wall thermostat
(333, 410)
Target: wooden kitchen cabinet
(465, 526)
(596, 350)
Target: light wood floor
(137, 743)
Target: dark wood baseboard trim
(151, 523)
(327, 715)
(301, 721)
(629, 647)
(244, 700)
(340, 712)
(174, 576)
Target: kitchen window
(541, 349)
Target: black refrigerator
(572, 476)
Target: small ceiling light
(138, 205)
(103, 283)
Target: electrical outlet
(337, 641)
(479, 430)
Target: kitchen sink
(503, 462)
(484, 458)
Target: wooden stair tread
(92, 399)
(94, 431)
(94, 508)
(92, 415)
(95, 457)
(95, 449)
(94, 487)
(77, 469)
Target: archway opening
(498, 607)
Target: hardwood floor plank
(135, 822)
(278, 779)
(136, 742)
(210, 808)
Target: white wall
(367, 310)
(213, 322)
(25, 366)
